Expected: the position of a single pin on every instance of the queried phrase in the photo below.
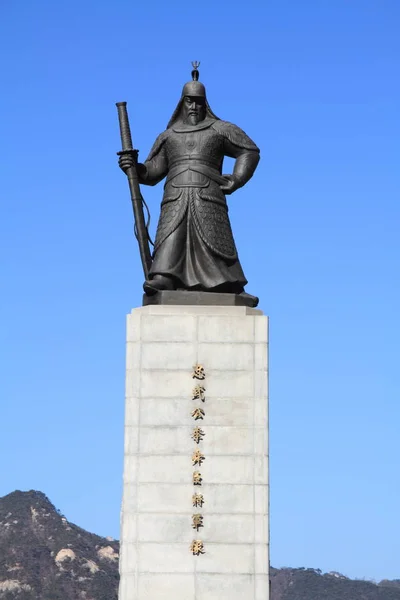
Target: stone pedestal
(163, 398)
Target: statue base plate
(195, 298)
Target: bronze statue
(194, 249)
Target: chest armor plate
(203, 145)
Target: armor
(194, 244)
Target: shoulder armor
(157, 144)
(235, 135)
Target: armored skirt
(194, 243)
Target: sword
(141, 231)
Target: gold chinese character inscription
(197, 547)
(198, 393)
(197, 457)
(198, 413)
(197, 435)
(198, 372)
(197, 521)
(197, 478)
(197, 500)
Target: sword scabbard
(136, 196)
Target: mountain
(45, 557)
(312, 584)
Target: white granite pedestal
(164, 344)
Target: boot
(157, 284)
(252, 299)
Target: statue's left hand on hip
(231, 184)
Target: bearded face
(193, 109)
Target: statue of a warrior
(194, 249)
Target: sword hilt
(124, 128)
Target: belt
(198, 168)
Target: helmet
(192, 88)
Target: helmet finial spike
(195, 72)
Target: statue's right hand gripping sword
(136, 196)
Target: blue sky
(315, 84)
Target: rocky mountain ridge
(45, 557)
